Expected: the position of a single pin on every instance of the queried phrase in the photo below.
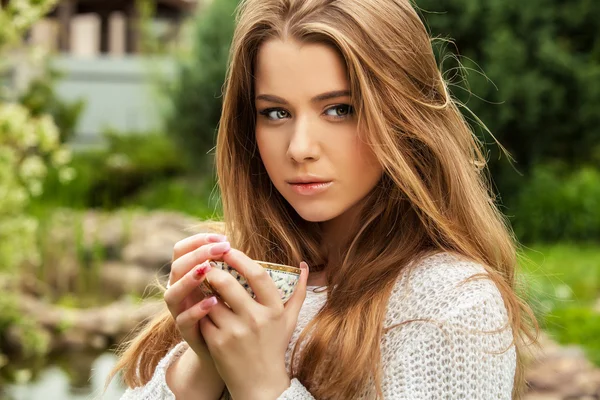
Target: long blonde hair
(434, 187)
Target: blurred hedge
(106, 177)
(543, 60)
(558, 204)
(134, 169)
(196, 96)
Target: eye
(275, 114)
(340, 111)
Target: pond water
(56, 383)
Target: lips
(307, 180)
(306, 183)
(310, 188)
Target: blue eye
(340, 111)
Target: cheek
(269, 152)
(365, 167)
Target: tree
(196, 96)
(28, 145)
(543, 60)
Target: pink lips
(308, 189)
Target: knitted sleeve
(466, 353)
(453, 341)
(156, 388)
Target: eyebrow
(321, 97)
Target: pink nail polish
(220, 248)
(215, 237)
(207, 303)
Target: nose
(303, 146)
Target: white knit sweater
(454, 356)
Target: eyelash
(267, 111)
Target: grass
(563, 287)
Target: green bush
(536, 65)
(577, 325)
(562, 284)
(192, 196)
(109, 177)
(40, 98)
(28, 146)
(196, 94)
(557, 204)
(141, 170)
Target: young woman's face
(306, 127)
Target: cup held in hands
(286, 278)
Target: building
(97, 45)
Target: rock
(119, 278)
(108, 231)
(558, 372)
(153, 237)
(85, 329)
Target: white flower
(563, 291)
(61, 157)
(35, 187)
(33, 167)
(66, 175)
(47, 133)
(23, 376)
(118, 161)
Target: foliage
(563, 285)
(543, 60)
(557, 204)
(191, 196)
(40, 98)
(17, 16)
(150, 170)
(196, 94)
(577, 325)
(28, 144)
(33, 343)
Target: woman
(417, 262)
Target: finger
(231, 292)
(193, 242)
(186, 262)
(257, 276)
(209, 331)
(222, 316)
(187, 321)
(294, 304)
(176, 293)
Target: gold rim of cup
(264, 264)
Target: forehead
(291, 68)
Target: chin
(315, 215)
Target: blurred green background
(107, 126)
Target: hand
(248, 341)
(185, 300)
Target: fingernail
(215, 237)
(202, 269)
(207, 303)
(220, 248)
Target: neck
(335, 232)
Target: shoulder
(444, 287)
(446, 331)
